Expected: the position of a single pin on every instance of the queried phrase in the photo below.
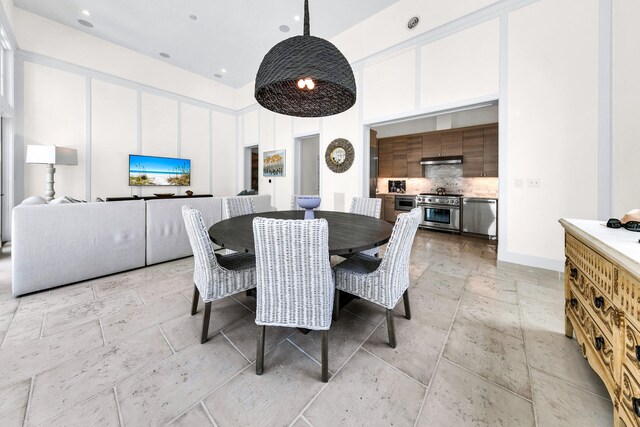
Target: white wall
(552, 126)
(107, 111)
(54, 113)
(462, 66)
(36, 34)
(113, 138)
(626, 89)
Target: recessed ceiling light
(297, 17)
(86, 12)
(85, 23)
(224, 70)
(284, 28)
(193, 17)
(218, 76)
(164, 55)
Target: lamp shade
(51, 154)
(305, 76)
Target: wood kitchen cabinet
(451, 143)
(480, 152)
(389, 208)
(414, 155)
(385, 157)
(399, 157)
(491, 151)
(442, 143)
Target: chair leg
(325, 356)
(391, 329)
(336, 306)
(407, 305)
(205, 323)
(260, 350)
(194, 301)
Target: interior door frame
(297, 181)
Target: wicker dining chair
(294, 201)
(295, 285)
(214, 277)
(382, 281)
(369, 206)
(237, 206)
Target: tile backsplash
(449, 177)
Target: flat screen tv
(149, 170)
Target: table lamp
(51, 155)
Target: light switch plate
(534, 182)
(519, 182)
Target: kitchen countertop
(616, 243)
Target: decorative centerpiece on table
(308, 203)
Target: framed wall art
(273, 163)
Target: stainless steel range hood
(442, 160)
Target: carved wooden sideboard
(602, 308)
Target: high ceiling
(224, 37)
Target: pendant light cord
(306, 17)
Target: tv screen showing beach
(147, 170)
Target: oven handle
(438, 206)
(465, 201)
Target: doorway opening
(251, 168)
(307, 165)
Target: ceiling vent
(413, 22)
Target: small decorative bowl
(308, 203)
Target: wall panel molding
(88, 72)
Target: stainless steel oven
(440, 212)
(405, 203)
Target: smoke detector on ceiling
(413, 22)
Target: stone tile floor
(485, 347)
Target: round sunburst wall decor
(339, 155)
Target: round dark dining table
(348, 233)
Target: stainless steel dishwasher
(480, 216)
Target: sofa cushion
(34, 200)
(59, 200)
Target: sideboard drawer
(596, 268)
(599, 306)
(590, 335)
(630, 395)
(627, 295)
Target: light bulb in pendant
(310, 84)
(301, 83)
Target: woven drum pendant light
(305, 76)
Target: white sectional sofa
(54, 245)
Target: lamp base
(50, 192)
